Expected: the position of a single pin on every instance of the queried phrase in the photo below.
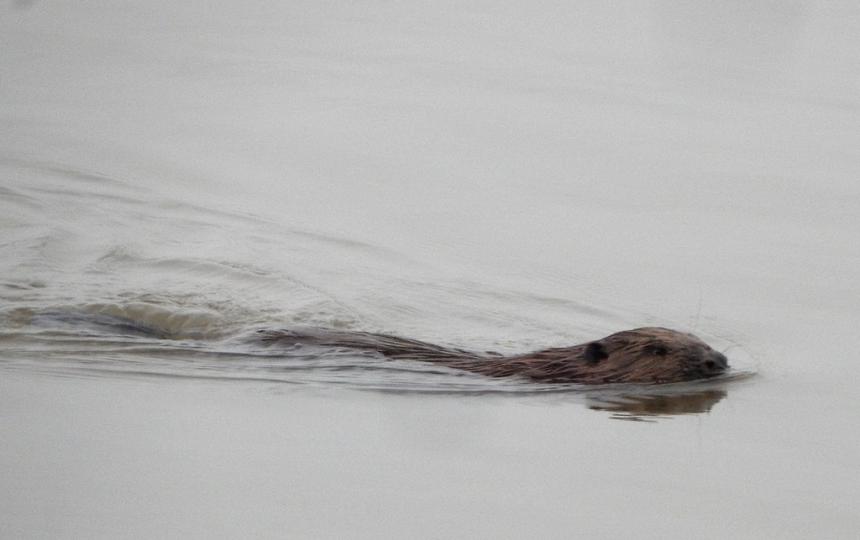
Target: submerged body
(642, 356)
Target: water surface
(502, 176)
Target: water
(503, 176)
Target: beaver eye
(659, 350)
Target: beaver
(641, 356)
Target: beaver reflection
(645, 407)
(638, 356)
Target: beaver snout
(714, 363)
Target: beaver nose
(716, 363)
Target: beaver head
(650, 355)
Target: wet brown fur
(642, 356)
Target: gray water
(501, 176)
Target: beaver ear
(594, 352)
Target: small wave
(143, 319)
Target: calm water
(505, 176)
